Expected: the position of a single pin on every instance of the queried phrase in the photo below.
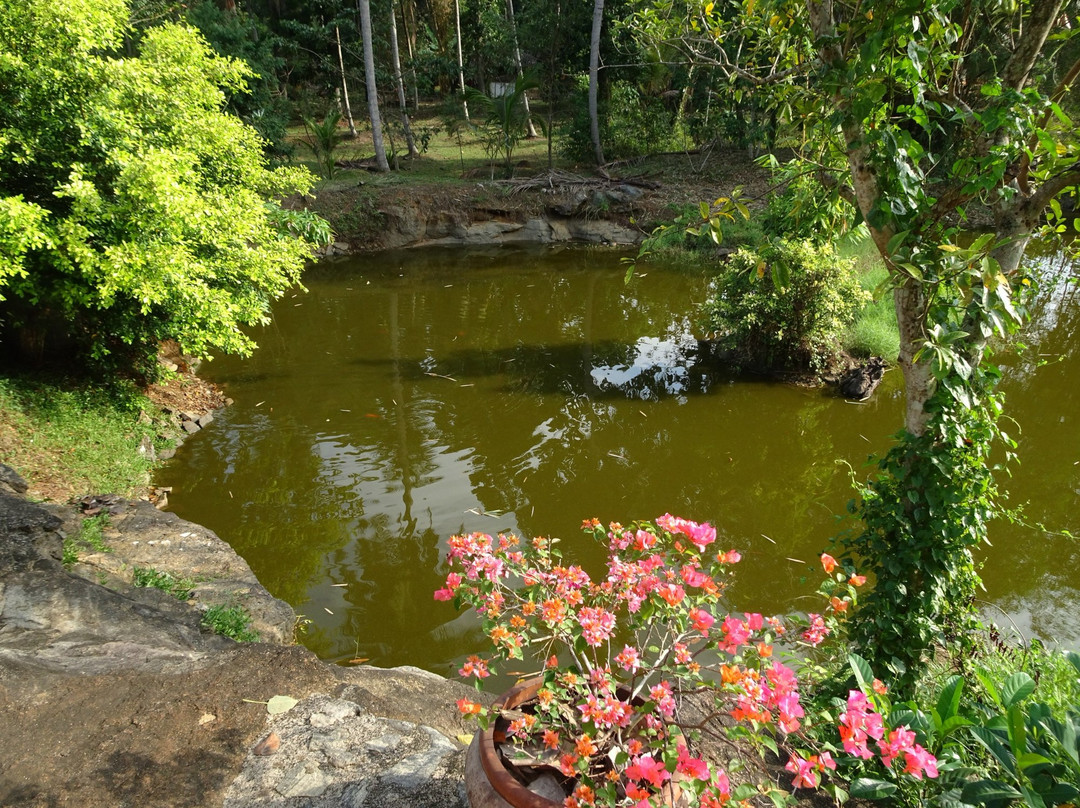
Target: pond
(408, 396)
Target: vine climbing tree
(924, 117)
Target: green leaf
(995, 747)
(983, 791)
(948, 702)
(1060, 793)
(1028, 759)
(864, 674)
(867, 788)
(703, 207)
(1016, 688)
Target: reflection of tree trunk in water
(586, 335)
(401, 415)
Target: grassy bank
(70, 437)
(874, 332)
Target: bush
(785, 305)
(632, 124)
(134, 208)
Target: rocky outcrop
(115, 695)
(409, 226)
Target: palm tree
(372, 91)
(594, 70)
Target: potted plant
(618, 657)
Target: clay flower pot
(490, 784)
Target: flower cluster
(622, 653)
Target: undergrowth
(71, 437)
(230, 621)
(179, 588)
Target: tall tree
(372, 86)
(919, 114)
(400, 82)
(344, 85)
(529, 128)
(594, 80)
(460, 59)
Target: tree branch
(1018, 68)
(1050, 189)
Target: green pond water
(408, 396)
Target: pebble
(268, 745)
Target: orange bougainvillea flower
(584, 746)
(466, 707)
(838, 605)
(857, 580)
(828, 563)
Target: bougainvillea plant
(622, 654)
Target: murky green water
(413, 395)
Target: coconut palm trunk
(594, 71)
(372, 90)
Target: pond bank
(115, 695)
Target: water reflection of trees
(407, 408)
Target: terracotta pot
(490, 784)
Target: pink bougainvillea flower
(700, 535)
(475, 666)
(597, 624)
(693, 766)
(700, 619)
(805, 776)
(730, 557)
(453, 581)
(917, 762)
(647, 769)
(629, 659)
(817, 631)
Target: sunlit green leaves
(133, 205)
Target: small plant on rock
(230, 621)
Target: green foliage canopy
(132, 207)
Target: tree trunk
(410, 143)
(460, 59)
(344, 86)
(552, 52)
(529, 128)
(594, 75)
(372, 89)
(409, 37)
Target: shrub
(785, 305)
